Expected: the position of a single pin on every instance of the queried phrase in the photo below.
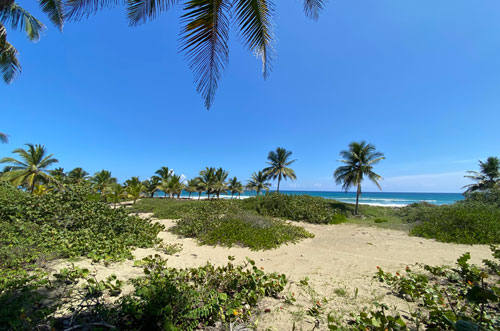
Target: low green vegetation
(472, 221)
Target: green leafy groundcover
(468, 222)
(296, 208)
(66, 223)
(221, 223)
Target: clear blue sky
(419, 79)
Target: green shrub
(416, 212)
(464, 223)
(491, 197)
(66, 223)
(241, 228)
(380, 220)
(294, 207)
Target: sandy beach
(339, 263)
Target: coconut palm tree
(114, 193)
(205, 32)
(234, 186)
(77, 176)
(3, 137)
(279, 162)
(31, 169)
(102, 180)
(151, 185)
(486, 178)
(259, 182)
(17, 18)
(58, 174)
(192, 186)
(359, 159)
(206, 180)
(134, 187)
(220, 184)
(164, 173)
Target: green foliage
(242, 228)
(375, 320)
(491, 197)
(464, 223)
(380, 220)
(188, 299)
(449, 298)
(67, 223)
(295, 207)
(416, 212)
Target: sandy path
(339, 260)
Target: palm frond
(3, 137)
(77, 9)
(20, 19)
(256, 29)
(55, 10)
(312, 8)
(140, 11)
(9, 63)
(205, 41)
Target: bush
(380, 220)
(464, 223)
(294, 207)
(242, 228)
(66, 223)
(416, 212)
(491, 197)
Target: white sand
(339, 260)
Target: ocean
(389, 199)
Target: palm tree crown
(487, 177)
(259, 182)
(102, 180)
(77, 175)
(31, 169)
(359, 160)
(279, 162)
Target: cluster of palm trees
(31, 171)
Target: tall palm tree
(205, 32)
(114, 193)
(102, 180)
(220, 184)
(192, 186)
(206, 180)
(17, 18)
(77, 176)
(234, 186)
(31, 169)
(259, 182)
(151, 185)
(359, 160)
(279, 162)
(4, 138)
(487, 177)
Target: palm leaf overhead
(4, 138)
(312, 8)
(55, 10)
(253, 18)
(77, 9)
(140, 11)
(205, 42)
(20, 19)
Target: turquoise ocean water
(373, 198)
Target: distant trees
(486, 178)
(259, 182)
(359, 160)
(102, 180)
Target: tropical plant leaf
(55, 10)
(77, 9)
(9, 63)
(205, 41)
(254, 19)
(140, 11)
(312, 8)
(20, 19)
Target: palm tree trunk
(199, 195)
(358, 192)
(279, 180)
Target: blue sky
(419, 79)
